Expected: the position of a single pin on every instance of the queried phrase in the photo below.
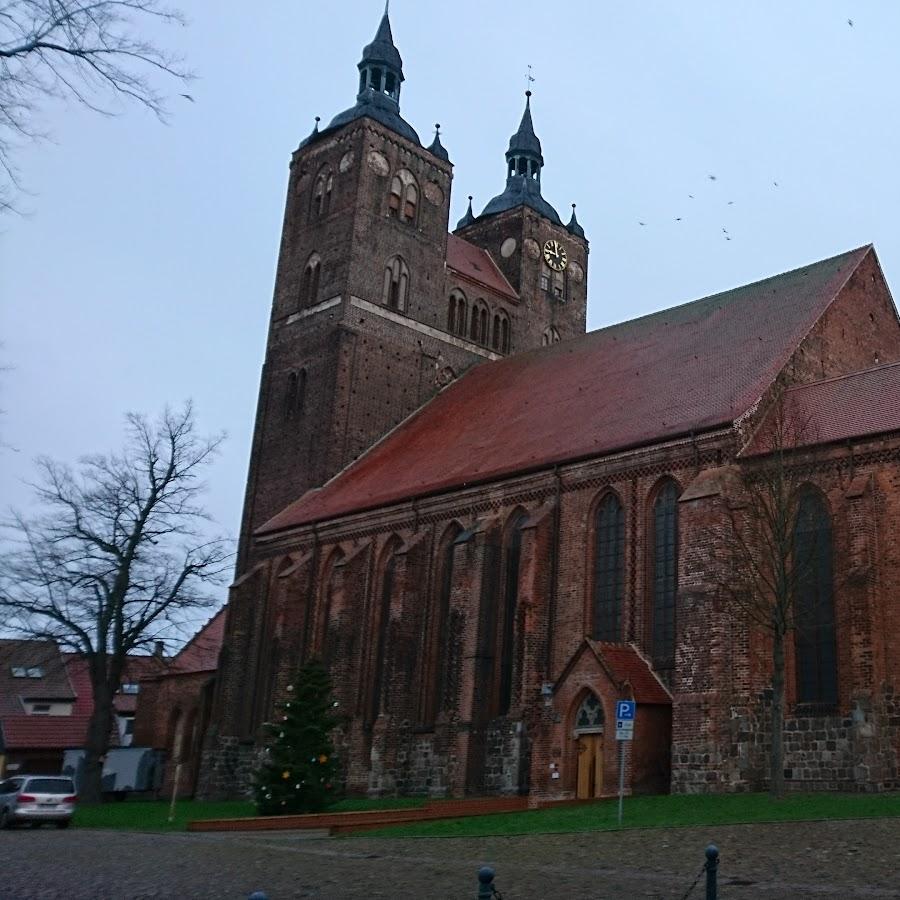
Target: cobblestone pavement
(800, 860)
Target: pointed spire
(468, 218)
(382, 49)
(525, 141)
(573, 227)
(313, 134)
(437, 148)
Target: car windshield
(50, 786)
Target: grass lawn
(152, 815)
(660, 811)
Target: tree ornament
(285, 775)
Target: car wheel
(63, 824)
(34, 824)
(4, 819)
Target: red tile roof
(201, 653)
(43, 732)
(626, 663)
(682, 370)
(477, 265)
(861, 404)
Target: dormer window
(27, 671)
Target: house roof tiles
(861, 404)
(663, 376)
(477, 265)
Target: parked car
(37, 799)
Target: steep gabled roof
(23, 732)
(477, 265)
(861, 404)
(201, 652)
(36, 655)
(680, 371)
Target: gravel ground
(797, 860)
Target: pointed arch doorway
(589, 722)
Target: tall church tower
(376, 307)
(354, 343)
(544, 260)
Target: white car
(37, 799)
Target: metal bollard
(712, 872)
(258, 895)
(485, 883)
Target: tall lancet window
(609, 569)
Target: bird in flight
(690, 196)
(850, 22)
(731, 202)
(678, 218)
(712, 177)
(642, 223)
(775, 183)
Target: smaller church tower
(544, 260)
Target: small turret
(468, 218)
(524, 162)
(574, 227)
(436, 147)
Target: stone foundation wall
(822, 751)
(226, 771)
(507, 758)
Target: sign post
(625, 710)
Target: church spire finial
(437, 148)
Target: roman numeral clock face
(555, 256)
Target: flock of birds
(725, 231)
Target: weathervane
(529, 80)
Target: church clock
(555, 255)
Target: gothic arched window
(589, 717)
(506, 631)
(609, 569)
(295, 394)
(495, 333)
(324, 639)
(664, 574)
(376, 701)
(550, 336)
(436, 636)
(404, 197)
(309, 284)
(396, 284)
(814, 620)
(504, 333)
(321, 196)
(456, 313)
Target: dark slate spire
(573, 227)
(382, 49)
(523, 172)
(468, 218)
(380, 77)
(436, 147)
(525, 142)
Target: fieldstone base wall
(507, 758)
(822, 751)
(226, 770)
(410, 762)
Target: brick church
(491, 525)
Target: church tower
(355, 335)
(544, 260)
(375, 306)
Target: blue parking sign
(625, 709)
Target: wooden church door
(589, 743)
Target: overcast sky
(143, 273)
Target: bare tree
(87, 50)
(764, 555)
(117, 560)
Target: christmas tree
(298, 770)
